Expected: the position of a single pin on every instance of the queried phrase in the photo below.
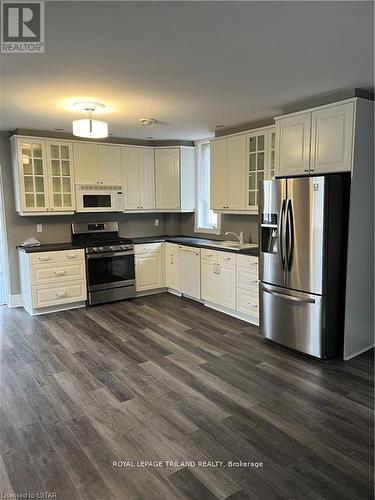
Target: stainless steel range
(109, 262)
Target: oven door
(94, 201)
(110, 270)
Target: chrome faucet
(238, 236)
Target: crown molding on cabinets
(299, 106)
(109, 140)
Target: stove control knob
(113, 248)
(99, 249)
(124, 247)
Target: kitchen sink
(232, 245)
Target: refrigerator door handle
(289, 234)
(282, 234)
(288, 297)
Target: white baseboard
(15, 300)
(346, 358)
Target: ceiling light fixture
(147, 122)
(87, 127)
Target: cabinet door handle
(306, 169)
(171, 259)
(227, 258)
(60, 294)
(58, 273)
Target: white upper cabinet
(332, 137)
(236, 196)
(167, 173)
(218, 173)
(175, 179)
(316, 141)
(138, 177)
(146, 169)
(228, 173)
(97, 164)
(86, 163)
(261, 147)
(61, 179)
(239, 163)
(43, 175)
(129, 160)
(109, 168)
(293, 145)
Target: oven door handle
(109, 254)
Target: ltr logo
(22, 27)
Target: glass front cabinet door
(60, 176)
(261, 163)
(33, 184)
(43, 174)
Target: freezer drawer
(293, 319)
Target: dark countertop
(193, 242)
(50, 247)
(180, 240)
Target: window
(206, 221)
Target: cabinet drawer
(148, 248)
(58, 256)
(44, 257)
(247, 302)
(208, 254)
(69, 255)
(248, 261)
(247, 278)
(227, 258)
(63, 293)
(57, 273)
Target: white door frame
(4, 241)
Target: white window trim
(198, 229)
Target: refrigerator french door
(302, 239)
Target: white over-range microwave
(94, 198)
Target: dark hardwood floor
(162, 378)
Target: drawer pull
(58, 273)
(60, 294)
(71, 256)
(227, 258)
(252, 305)
(44, 259)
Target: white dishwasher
(189, 271)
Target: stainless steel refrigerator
(302, 262)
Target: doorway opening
(3, 250)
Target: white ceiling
(191, 65)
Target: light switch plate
(157, 222)
(39, 228)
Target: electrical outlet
(156, 222)
(39, 228)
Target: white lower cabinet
(248, 287)
(209, 278)
(222, 280)
(149, 272)
(51, 281)
(171, 266)
(247, 302)
(218, 278)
